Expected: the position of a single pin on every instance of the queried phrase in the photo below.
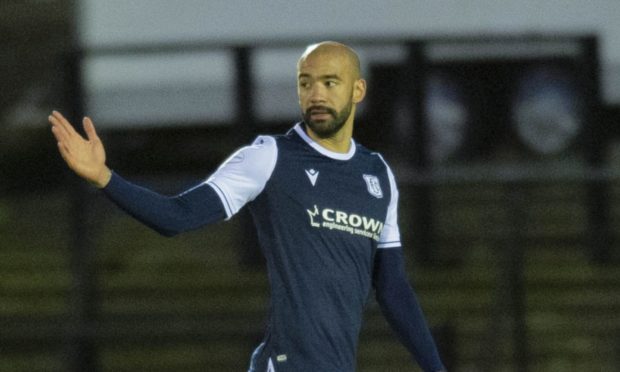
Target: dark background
(513, 253)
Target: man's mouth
(320, 112)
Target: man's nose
(317, 94)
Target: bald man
(325, 210)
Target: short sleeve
(390, 235)
(242, 177)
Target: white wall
(119, 22)
(107, 22)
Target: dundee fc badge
(374, 188)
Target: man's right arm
(196, 207)
(237, 181)
(240, 179)
(168, 215)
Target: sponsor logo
(312, 175)
(355, 224)
(373, 186)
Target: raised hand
(86, 157)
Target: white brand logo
(352, 223)
(270, 366)
(374, 188)
(312, 175)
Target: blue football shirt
(320, 218)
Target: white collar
(331, 154)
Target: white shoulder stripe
(389, 245)
(390, 235)
(243, 176)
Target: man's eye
(330, 83)
(304, 84)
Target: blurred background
(500, 121)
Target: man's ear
(359, 90)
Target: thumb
(89, 128)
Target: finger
(58, 127)
(65, 154)
(60, 120)
(89, 128)
(59, 132)
(60, 117)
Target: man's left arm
(402, 310)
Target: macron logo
(312, 175)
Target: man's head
(329, 86)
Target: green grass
(153, 287)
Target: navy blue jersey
(320, 217)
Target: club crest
(373, 186)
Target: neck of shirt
(299, 129)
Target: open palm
(86, 157)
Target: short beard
(327, 128)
